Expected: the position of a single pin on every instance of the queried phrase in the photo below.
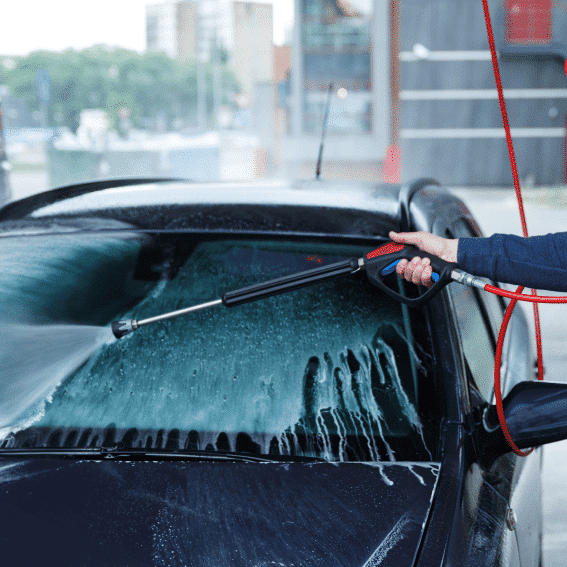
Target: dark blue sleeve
(538, 262)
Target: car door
(512, 482)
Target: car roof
(306, 206)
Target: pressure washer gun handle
(383, 261)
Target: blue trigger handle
(392, 268)
(383, 261)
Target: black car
(329, 426)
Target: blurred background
(236, 90)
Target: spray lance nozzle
(126, 326)
(378, 264)
(121, 328)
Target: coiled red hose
(518, 296)
(515, 296)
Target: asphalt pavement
(496, 211)
(26, 183)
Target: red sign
(528, 21)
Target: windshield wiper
(152, 454)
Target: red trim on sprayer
(389, 248)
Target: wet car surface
(328, 426)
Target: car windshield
(331, 371)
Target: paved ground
(24, 184)
(496, 210)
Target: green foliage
(151, 86)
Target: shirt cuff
(472, 256)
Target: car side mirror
(536, 414)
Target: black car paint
(467, 521)
(211, 514)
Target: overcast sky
(30, 25)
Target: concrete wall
(431, 143)
(364, 149)
(232, 158)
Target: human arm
(538, 262)
(419, 269)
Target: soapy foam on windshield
(245, 370)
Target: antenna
(320, 158)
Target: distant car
(331, 426)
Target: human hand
(419, 270)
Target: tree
(147, 85)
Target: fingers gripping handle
(383, 261)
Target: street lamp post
(216, 80)
(43, 86)
(201, 93)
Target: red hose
(497, 389)
(517, 296)
(502, 333)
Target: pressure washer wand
(251, 293)
(378, 264)
(121, 328)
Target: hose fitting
(467, 279)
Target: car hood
(106, 513)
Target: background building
(220, 33)
(252, 53)
(190, 29)
(217, 32)
(215, 27)
(172, 28)
(451, 127)
(346, 43)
